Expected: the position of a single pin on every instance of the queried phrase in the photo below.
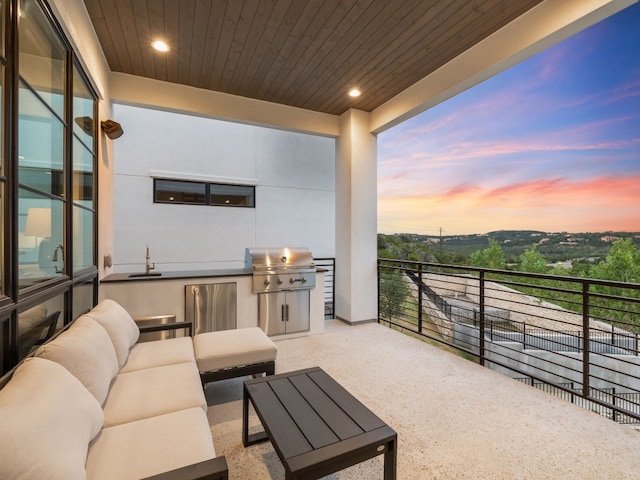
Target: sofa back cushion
(47, 419)
(87, 352)
(119, 325)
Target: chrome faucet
(55, 259)
(149, 266)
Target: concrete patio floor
(454, 419)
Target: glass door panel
(83, 246)
(40, 224)
(82, 174)
(42, 56)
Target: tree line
(620, 306)
(621, 263)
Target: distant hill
(555, 247)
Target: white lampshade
(38, 222)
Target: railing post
(379, 280)
(481, 324)
(585, 341)
(420, 298)
(573, 389)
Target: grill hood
(281, 268)
(278, 259)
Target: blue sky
(551, 144)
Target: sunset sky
(552, 144)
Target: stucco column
(356, 219)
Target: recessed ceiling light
(354, 92)
(160, 46)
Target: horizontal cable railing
(329, 265)
(577, 336)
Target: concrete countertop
(125, 277)
(230, 272)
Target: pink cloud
(596, 204)
(614, 192)
(624, 92)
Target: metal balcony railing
(575, 337)
(329, 265)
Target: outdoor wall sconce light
(112, 129)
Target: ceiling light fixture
(354, 92)
(160, 46)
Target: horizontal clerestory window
(188, 192)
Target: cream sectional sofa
(93, 403)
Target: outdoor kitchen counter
(165, 294)
(126, 277)
(230, 272)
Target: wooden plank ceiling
(304, 53)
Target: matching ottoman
(234, 353)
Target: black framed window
(48, 180)
(179, 191)
(83, 168)
(42, 97)
(38, 324)
(2, 170)
(201, 193)
(232, 195)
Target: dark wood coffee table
(315, 426)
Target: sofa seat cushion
(154, 445)
(232, 348)
(159, 353)
(47, 419)
(153, 391)
(121, 328)
(85, 349)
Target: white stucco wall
(356, 254)
(294, 174)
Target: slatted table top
(315, 425)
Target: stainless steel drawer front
(211, 307)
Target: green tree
(490, 257)
(393, 292)
(580, 268)
(532, 261)
(622, 264)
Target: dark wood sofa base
(214, 469)
(268, 368)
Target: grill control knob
(279, 282)
(267, 283)
(304, 280)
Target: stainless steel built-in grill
(279, 269)
(282, 278)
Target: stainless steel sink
(144, 275)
